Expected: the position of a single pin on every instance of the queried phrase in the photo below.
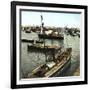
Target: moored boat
(49, 34)
(45, 36)
(31, 41)
(42, 47)
(59, 59)
(50, 68)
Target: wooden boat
(59, 59)
(41, 47)
(45, 36)
(31, 41)
(50, 68)
(50, 34)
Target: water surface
(30, 60)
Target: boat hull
(50, 36)
(60, 65)
(31, 41)
(61, 71)
(42, 48)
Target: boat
(49, 34)
(49, 69)
(60, 57)
(78, 34)
(27, 31)
(42, 47)
(31, 41)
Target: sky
(51, 19)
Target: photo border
(13, 44)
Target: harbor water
(30, 60)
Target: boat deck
(39, 47)
(45, 71)
(51, 36)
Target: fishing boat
(59, 61)
(42, 47)
(50, 34)
(49, 69)
(31, 41)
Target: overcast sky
(51, 19)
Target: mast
(42, 24)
